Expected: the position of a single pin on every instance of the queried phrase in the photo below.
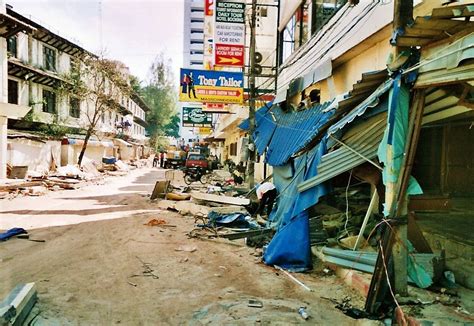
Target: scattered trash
(148, 271)
(132, 284)
(255, 303)
(186, 248)
(16, 307)
(294, 279)
(303, 313)
(27, 237)
(155, 222)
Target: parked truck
(175, 158)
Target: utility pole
(402, 15)
(252, 149)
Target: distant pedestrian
(267, 194)
(162, 159)
(156, 160)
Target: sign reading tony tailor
(194, 117)
(211, 86)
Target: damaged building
(47, 126)
(371, 128)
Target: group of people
(159, 160)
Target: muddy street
(114, 269)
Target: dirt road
(92, 273)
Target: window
(322, 11)
(74, 107)
(49, 58)
(49, 101)
(233, 149)
(12, 46)
(12, 91)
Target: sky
(131, 31)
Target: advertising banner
(215, 108)
(229, 34)
(194, 117)
(209, 86)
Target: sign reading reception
(210, 86)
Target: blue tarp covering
(290, 247)
(11, 233)
(283, 134)
(235, 220)
(395, 137)
(245, 125)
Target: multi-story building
(39, 63)
(193, 34)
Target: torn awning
(282, 133)
(359, 146)
(370, 102)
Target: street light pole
(252, 150)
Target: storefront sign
(204, 131)
(194, 117)
(229, 34)
(215, 108)
(208, 86)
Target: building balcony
(196, 58)
(197, 26)
(196, 47)
(196, 36)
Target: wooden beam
(464, 10)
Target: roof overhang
(29, 73)
(10, 26)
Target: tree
(161, 97)
(172, 127)
(97, 83)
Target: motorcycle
(194, 174)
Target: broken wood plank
(160, 190)
(246, 234)
(16, 186)
(220, 199)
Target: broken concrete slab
(229, 209)
(22, 299)
(220, 199)
(187, 207)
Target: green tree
(161, 96)
(172, 127)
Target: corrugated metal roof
(291, 132)
(245, 125)
(343, 159)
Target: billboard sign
(215, 108)
(229, 34)
(194, 117)
(210, 86)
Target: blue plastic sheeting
(11, 233)
(234, 220)
(290, 247)
(395, 137)
(245, 125)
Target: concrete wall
(34, 154)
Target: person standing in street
(266, 194)
(162, 159)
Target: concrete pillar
(3, 147)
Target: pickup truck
(196, 161)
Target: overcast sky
(133, 31)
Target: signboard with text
(229, 34)
(194, 117)
(215, 108)
(210, 86)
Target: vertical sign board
(210, 86)
(208, 34)
(194, 117)
(229, 34)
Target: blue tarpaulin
(290, 247)
(235, 220)
(11, 233)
